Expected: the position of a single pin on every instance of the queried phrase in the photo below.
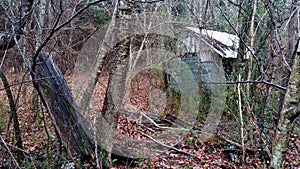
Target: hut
(212, 47)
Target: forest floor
(221, 151)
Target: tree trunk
(58, 99)
(13, 114)
(118, 75)
(292, 32)
(288, 114)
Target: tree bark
(58, 99)
(118, 74)
(292, 32)
(288, 114)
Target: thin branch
(57, 28)
(17, 148)
(46, 127)
(233, 3)
(170, 147)
(13, 113)
(19, 90)
(243, 42)
(162, 127)
(17, 24)
(277, 38)
(241, 119)
(10, 153)
(27, 81)
(152, 1)
(253, 81)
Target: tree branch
(6, 38)
(243, 42)
(57, 28)
(254, 81)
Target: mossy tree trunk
(59, 101)
(288, 114)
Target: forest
(150, 84)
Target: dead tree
(56, 96)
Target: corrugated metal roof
(223, 43)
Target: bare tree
(82, 146)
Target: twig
(45, 127)
(57, 27)
(277, 38)
(149, 1)
(28, 81)
(10, 153)
(241, 118)
(253, 81)
(13, 112)
(162, 127)
(12, 146)
(238, 144)
(95, 140)
(168, 146)
(243, 42)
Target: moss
(48, 93)
(3, 116)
